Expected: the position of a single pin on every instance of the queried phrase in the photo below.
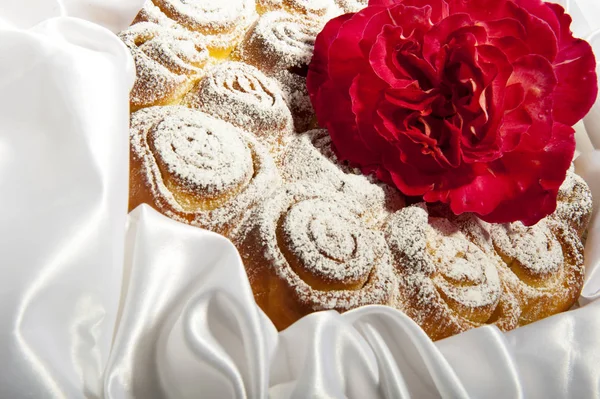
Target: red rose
(468, 102)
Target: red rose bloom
(468, 102)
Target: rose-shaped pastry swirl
(221, 23)
(307, 249)
(279, 41)
(167, 63)
(466, 102)
(309, 158)
(544, 266)
(447, 283)
(197, 169)
(575, 203)
(243, 96)
(281, 46)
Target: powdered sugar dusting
(352, 5)
(151, 13)
(242, 95)
(279, 41)
(166, 60)
(296, 96)
(203, 159)
(199, 169)
(264, 6)
(535, 248)
(309, 158)
(466, 273)
(544, 266)
(435, 251)
(575, 203)
(310, 227)
(328, 240)
(329, 237)
(318, 8)
(222, 23)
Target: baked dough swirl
(197, 169)
(574, 203)
(279, 41)
(221, 23)
(308, 249)
(543, 266)
(243, 96)
(309, 157)
(167, 63)
(447, 284)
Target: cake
(223, 137)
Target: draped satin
(100, 304)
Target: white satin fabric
(98, 304)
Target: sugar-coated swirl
(197, 169)
(167, 62)
(352, 5)
(307, 250)
(223, 23)
(198, 159)
(447, 283)
(279, 41)
(543, 266)
(574, 203)
(243, 96)
(309, 158)
(318, 8)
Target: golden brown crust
(243, 96)
(447, 284)
(308, 249)
(279, 41)
(167, 63)
(574, 203)
(542, 266)
(197, 169)
(222, 24)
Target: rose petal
(318, 68)
(438, 35)
(375, 25)
(575, 69)
(541, 10)
(481, 10)
(539, 175)
(439, 8)
(345, 56)
(535, 74)
(395, 66)
(541, 38)
(367, 91)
